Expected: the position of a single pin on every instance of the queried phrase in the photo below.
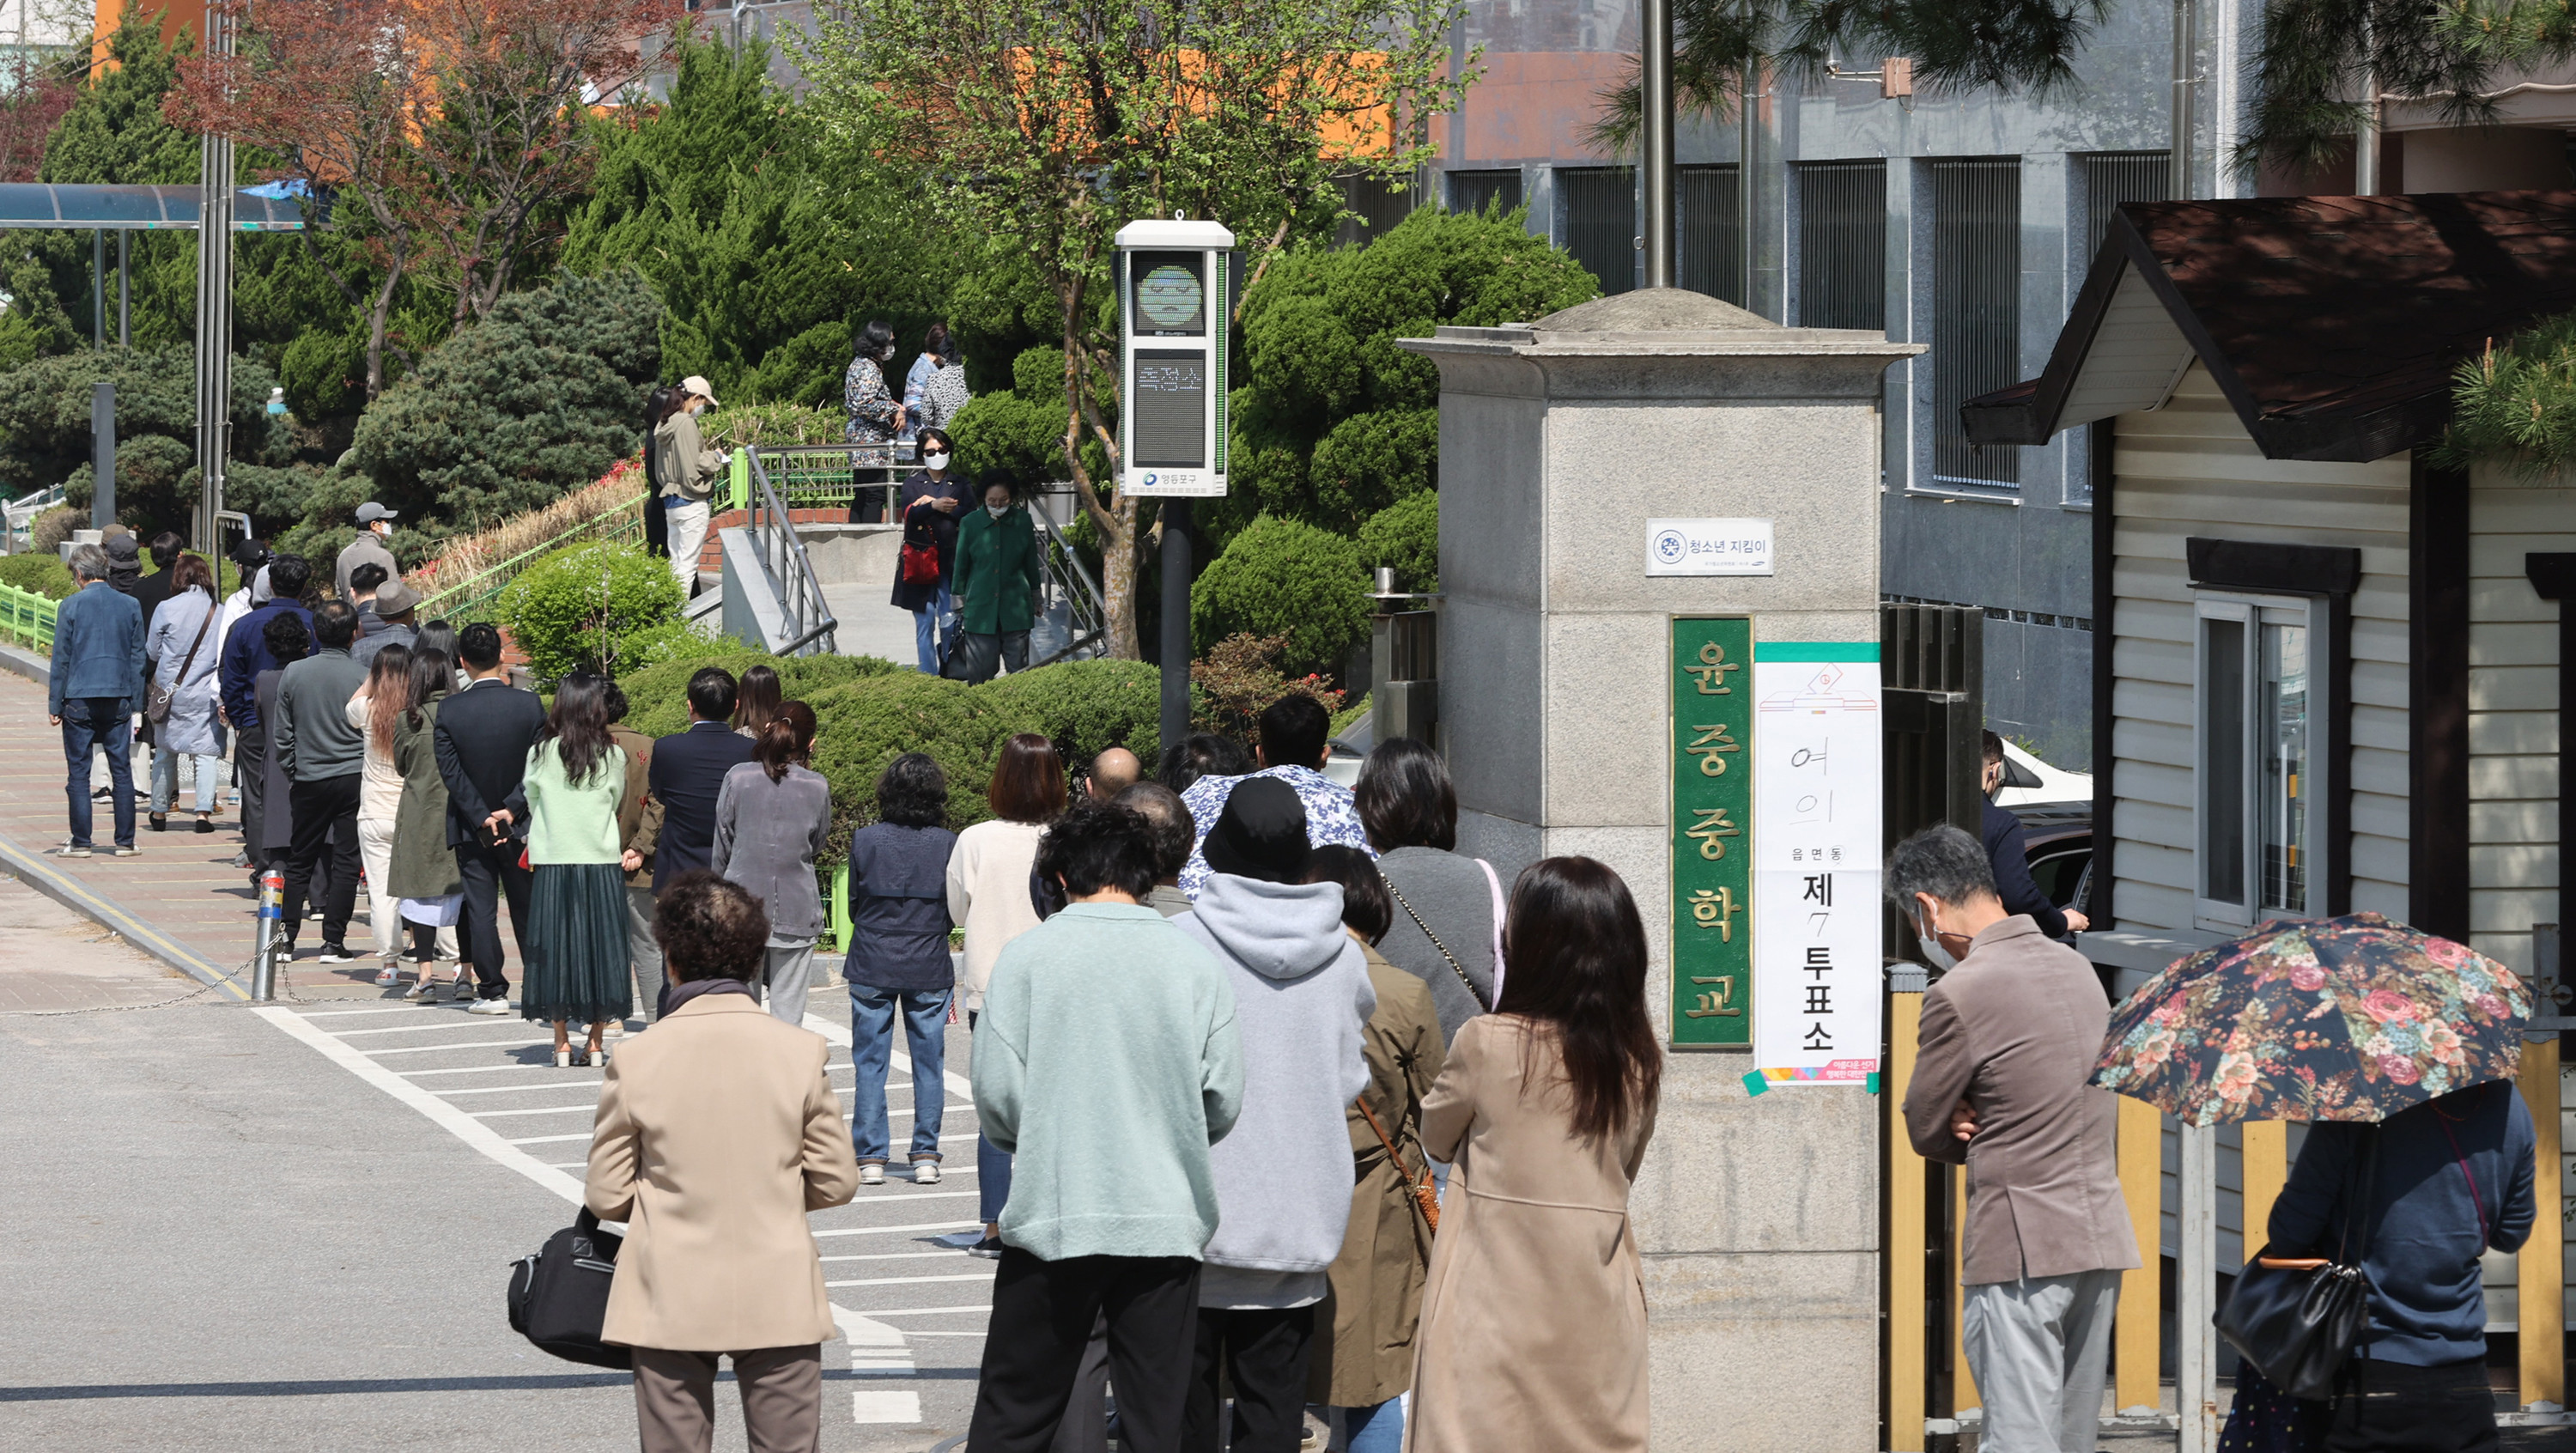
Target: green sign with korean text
(1712, 775)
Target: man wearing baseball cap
(688, 471)
(375, 526)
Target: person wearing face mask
(2002, 1085)
(687, 470)
(876, 416)
(996, 584)
(2008, 851)
(935, 503)
(375, 529)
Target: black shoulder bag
(559, 1294)
(2297, 1318)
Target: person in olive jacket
(996, 582)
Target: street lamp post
(1655, 112)
(214, 312)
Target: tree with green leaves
(1044, 125)
(765, 257)
(2317, 60)
(45, 427)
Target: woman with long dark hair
(773, 815)
(898, 965)
(756, 700)
(657, 525)
(576, 943)
(375, 710)
(420, 874)
(1544, 1109)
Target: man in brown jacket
(2008, 1042)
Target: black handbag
(972, 658)
(2297, 1318)
(559, 1294)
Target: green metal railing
(825, 476)
(27, 617)
(475, 593)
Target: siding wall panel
(2513, 713)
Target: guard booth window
(1976, 311)
(2260, 796)
(1600, 222)
(1711, 254)
(1475, 191)
(1842, 244)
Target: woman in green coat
(996, 583)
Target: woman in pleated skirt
(577, 949)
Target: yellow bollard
(2267, 1169)
(2137, 1378)
(1909, 1324)
(2540, 1272)
(1963, 1394)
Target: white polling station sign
(1708, 547)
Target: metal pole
(2186, 43)
(98, 287)
(1746, 149)
(1176, 621)
(2365, 141)
(124, 289)
(2196, 1278)
(102, 454)
(214, 311)
(1655, 104)
(263, 959)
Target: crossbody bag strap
(1454, 966)
(1425, 1200)
(2475, 1199)
(191, 658)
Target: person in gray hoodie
(1283, 1177)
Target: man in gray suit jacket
(2008, 1042)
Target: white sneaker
(872, 1174)
(925, 1172)
(424, 990)
(497, 1005)
(386, 976)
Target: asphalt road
(237, 1229)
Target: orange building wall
(178, 17)
(1535, 105)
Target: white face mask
(997, 511)
(934, 461)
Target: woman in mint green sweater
(576, 939)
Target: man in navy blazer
(93, 691)
(482, 741)
(688, 772)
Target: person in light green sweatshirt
(1106, 1061)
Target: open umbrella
(2351, 1018)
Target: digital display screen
(1169, 410)
(1170, 294)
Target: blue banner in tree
(1712, 776)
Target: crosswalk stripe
(922, 1311)
(888, 1230)
(907, 1281)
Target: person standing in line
(286, 642)
(688, 773)
(153, 589)
(688, 471)
(1202, 754)
(639, 828)
(92, 693)
(1168, 822)
(375, 530)
(421, 874)
(2008, 855)
(1296, 739)
(182, 646)
(1448, 928)
(1283, 1176)
(716, 1134)
(1108, 1056)
(245, 656)
(1112, 772)
(756, 700)
(773, 819)
(124, 561)
(395, 605)
(1366, 1363)
(363, 582)
(482, 739)
(2003, 1085)
(935, 501)
(375, 711)
(997, 581)
(1545, 1108)
(576, 940)
(249, 558)
(898, 964)
(324, 761)
(988, 895)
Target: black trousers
(250, 775)
(326, 824)
(1042, 1318)
(489, 872)
(2392, 1407)
(1265, 1352)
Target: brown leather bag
(1426, 1195)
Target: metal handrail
(1071, 579)
(791, 571)
(28, 615)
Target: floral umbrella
(2351, 1018)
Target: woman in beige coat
(716, 1133)
(1545, 1106)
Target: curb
(24, 662)
(37, 874)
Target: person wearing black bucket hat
(1283, 1176)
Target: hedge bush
(44, 574)
(48, 532)
(658, 695)
(580, 607)
(1285, 578)
(1084, 707)
(865, 724)
(1406, 535)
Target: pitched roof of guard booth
(2331, 324)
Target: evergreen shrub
(1285, 578)
(589, 607)
(1406, 535)
(44, 574)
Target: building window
(1711, 257)
(2261, 797)
(1976, 311)
(1379, 206)
(1842, 244)
(2113, 177)
(1475, 191)
(1600, 211)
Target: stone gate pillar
(1559, 441)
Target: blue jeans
(925, 1030)
(1375, 1430)
(992, 1168)
(165, 778)
(101, 722)
(930, 623)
